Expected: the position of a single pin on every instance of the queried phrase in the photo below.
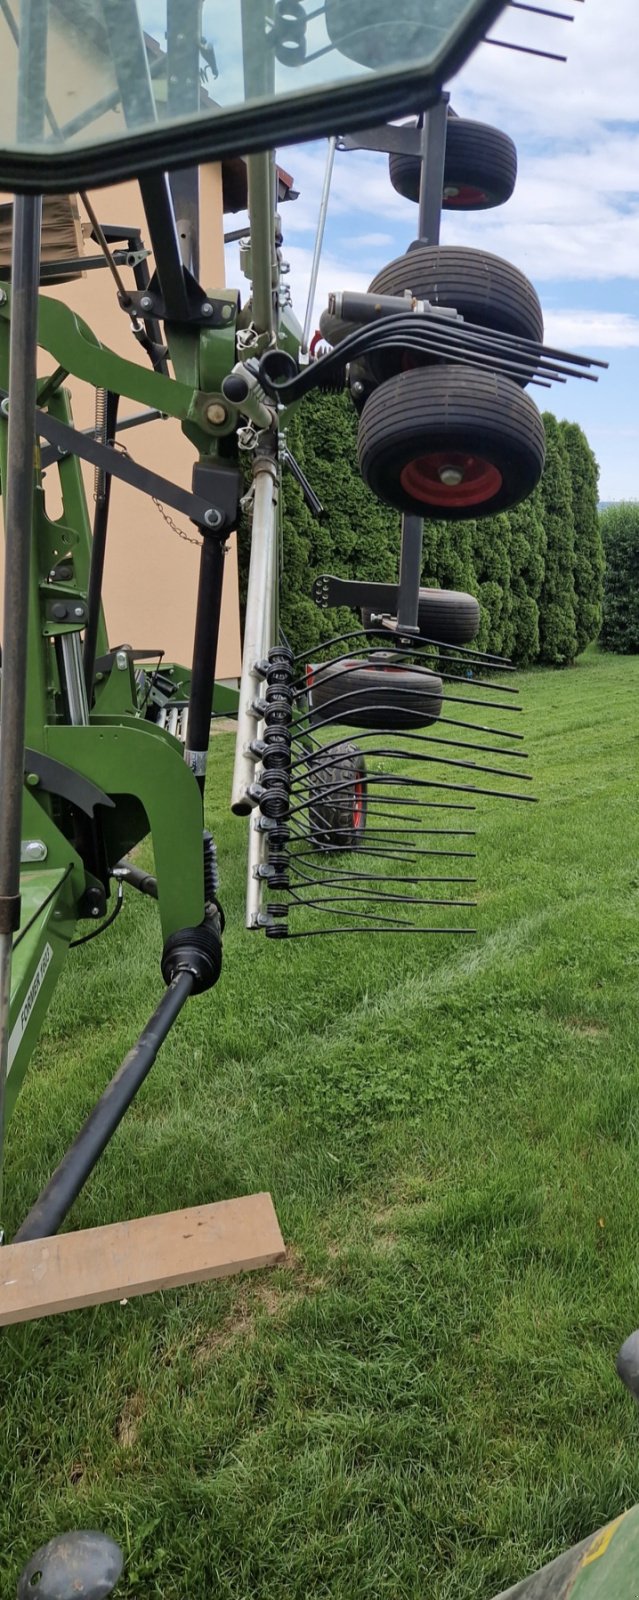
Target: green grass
(422, 1400)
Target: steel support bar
(431, 187)
(257, 623)
(319, 240)
(19, 491)
(70, 442)
(260, 208)
(56, 1200)
(160, 215)
(207, 630)
(410, 569)
(98, 549)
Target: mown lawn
(422, 1401)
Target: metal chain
(166, 517)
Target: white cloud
(591, 330)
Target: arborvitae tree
(491, 540)
(527, 567)
(557, 603)
(620, 531)
(589, 557)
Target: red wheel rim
(480, 479)
(457, 196)
(358, 804)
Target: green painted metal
(603, 1567)
(72, 343)
(39, 951)
(225, 700)
(142, 768)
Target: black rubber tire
(338, 798)
(445, 616)
(367, 31)
(375, 693)
(485, 289)
(437, 410)
(478, 157)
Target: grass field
(422, 1401)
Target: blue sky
(572, 225)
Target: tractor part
(444, 616)
(375, 693)
(75, 1566)
(480, 168)
(483, 289)
(338, 798)
(450, 442)
(19, 506)
(54, 1203)
(422, 744)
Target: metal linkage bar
(63, 1188)
(70, 442)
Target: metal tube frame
(258, 623)
(19, 502)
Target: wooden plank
(44, 1276)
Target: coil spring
(211, 870)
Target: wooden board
(45, 1276)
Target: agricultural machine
(345, 760)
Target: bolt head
(216, 413)
(227, 312)
(4, 407)
(146, 302)
(59, 611)
(206, 308)
(451, 476)
(213, 518)
(78, 611)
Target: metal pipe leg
(410, 568)
(27, 220)
(257, 624)
(431, 188)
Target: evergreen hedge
(536, 570)
(620, 531)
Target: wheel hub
(451, 478)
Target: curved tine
(403, 651)
(358, 696)
(383, 753)
(395, 927)
(407, 733)
(447, 722)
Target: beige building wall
(151, 574)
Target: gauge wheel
(480, 169)
(450, 442)
(484, 289)
(445, 616)
(374, 692)
(338, 798)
